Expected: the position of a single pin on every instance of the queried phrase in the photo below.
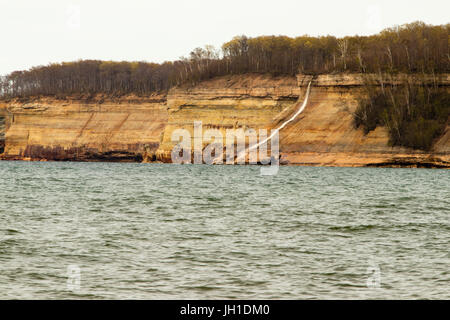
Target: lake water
(155, 231)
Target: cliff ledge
(135, 128)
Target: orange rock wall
(140, 128)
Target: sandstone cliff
(324, 135)
(228, 103)
(125, 129)
(136, 128)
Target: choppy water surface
(147, 231)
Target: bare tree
(343, 49)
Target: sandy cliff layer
(135, 129)
(251, 102)
(2, 132)
(322, 135)
(325, 135)
(126, 129)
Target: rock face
(2, 133)
(127, 129)
(137, 128)
(325, 135)
(250, 102)
(322, 135)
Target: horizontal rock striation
(325, 135)
(249, 102)
(125, 129)
(140, 128)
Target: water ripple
(166, 231)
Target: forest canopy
(410, 48)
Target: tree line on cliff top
(411, 48)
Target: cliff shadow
(2, 133)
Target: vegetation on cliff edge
(411, 48)
(415, 113)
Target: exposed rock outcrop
(125, 129)
(228, 103)
(322, 135)
(140, 129)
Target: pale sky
(39, 32)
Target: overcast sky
(39, 32)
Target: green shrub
(414, 114)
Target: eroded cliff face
(2, 132)
(125, 129)
(324, 134)
(249, 102)
(136, 128)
